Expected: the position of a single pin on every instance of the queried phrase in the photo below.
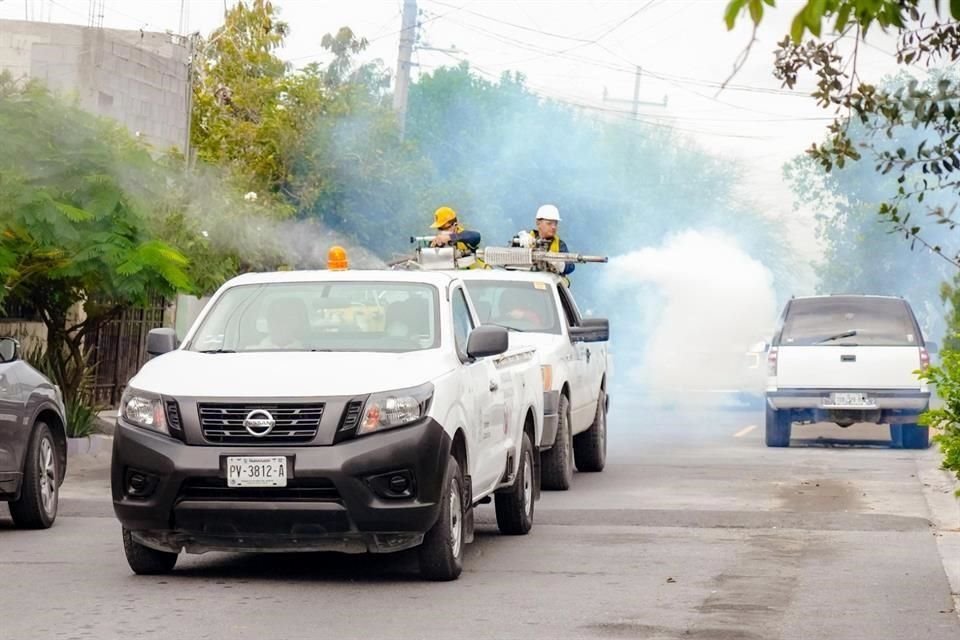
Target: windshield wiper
(505, 326)
(218, 351)
(839, 336)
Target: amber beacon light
(337, 259)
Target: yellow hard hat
(442, 217)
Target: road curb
(940, 491)
(90, 446)
(106, 422)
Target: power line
(515, 25)
(619, 114)
(390, 33)
(616, 67)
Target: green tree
(930, 168)
(250, 108)
(946, 419)
(71, 235)
(353, 173)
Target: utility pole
(191, 70)
(408, 36)
(636, 102)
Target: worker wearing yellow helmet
(451, 232)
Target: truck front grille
(297, 490)
(294, 423)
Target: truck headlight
(395, 409)
(144, 409)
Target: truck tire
(556, 463)
(778, 428)
(441, 554)
(40, 494)
(590, 447)
(145, 561)
(515, 507)
(911, 436)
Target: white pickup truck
(848, 359)
(539, 311)
(353, 411)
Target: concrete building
(138, 78)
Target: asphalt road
(695, 530)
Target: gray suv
(33, 443)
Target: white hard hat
(548, 212)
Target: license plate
(257, 471)
(850, 400)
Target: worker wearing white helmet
(545, 236)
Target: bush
(81, 411)
(81, 418)
(946, 419)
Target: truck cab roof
(436, 278)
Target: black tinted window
(849, 321)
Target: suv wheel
(40, 494)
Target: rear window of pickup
(849, 322)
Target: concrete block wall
(137, 78)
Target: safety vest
(466, 250)
(554, 244)
(555, 248)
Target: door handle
(494, 386)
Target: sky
(573, 51)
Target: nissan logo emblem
(259, 423)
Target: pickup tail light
(924, 359)
(772, 361)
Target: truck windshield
(848, 321)
(521, 306)
(321, 316)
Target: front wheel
(39, 497)
(515, 507)
(556, 463)
(441, 554)
(590, 447)
(145, 561)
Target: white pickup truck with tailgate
(353, 411)
(848, 359)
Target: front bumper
(338, 497)
(551, 418)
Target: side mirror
(160, 341)
(591, 330)
(487, 340)
(932, 347)
(9, 350)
